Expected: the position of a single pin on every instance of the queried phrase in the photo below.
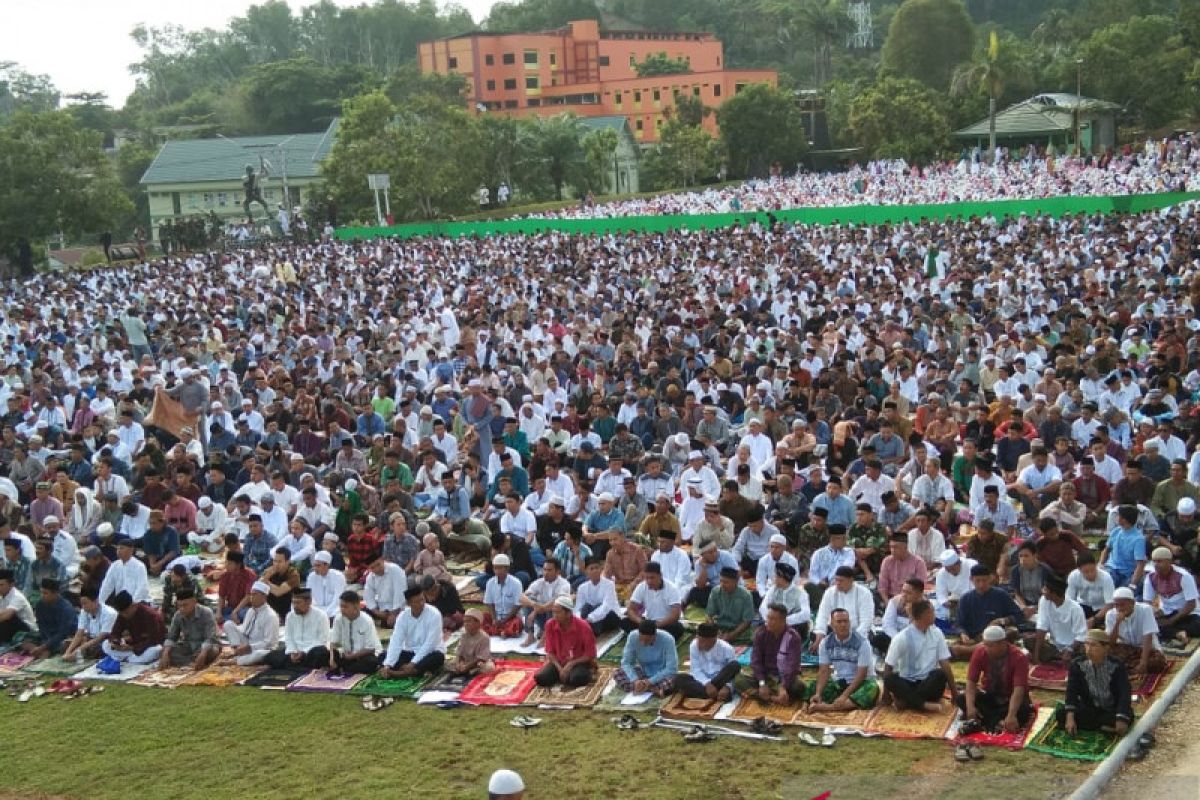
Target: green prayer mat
(864, 697)
(392, 687)
(57, 667)
(682, 644)
(1083, 746)
(695, 614)
(611, 703)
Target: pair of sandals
(965, 753)
(82, 691)
(767, 727)
(375, 703)
(627, 722)
(1142, 747)
(525, 722)
(827, 739)
(29, 692)
(698, 734)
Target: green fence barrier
(855, 215)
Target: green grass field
(207, 743)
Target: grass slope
(207, 743)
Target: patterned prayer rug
(853, 720)
(319, 680)
(12, 663)
(579, 697)
(1010, 741)
(1173, 649)
(682, 707)
(223, 675)
(509, 685)
(912, 724)
(751, 708)
(393, 687)
(1146, 685)
(57, 667)
(270, 678)
(1083, 746)
(167, 678)
(1048, 676)
(128, 672)
(610, 701)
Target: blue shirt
(598, 521)
(56, 622)
(840, 508)
(976, 611)
(257, 552)
(1125, 549)
(713, 571)
(157, 544)
(658, 659)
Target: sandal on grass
(961, 754)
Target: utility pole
(1078, 103)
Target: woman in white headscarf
(86, 514)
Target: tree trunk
(991, 128)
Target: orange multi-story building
(589, 72)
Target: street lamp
(1078, 101)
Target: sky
(84, 45)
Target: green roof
(1043, 114)
(225, 159)
(616, 123)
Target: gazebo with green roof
(1049, 119)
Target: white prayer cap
(474, 382)
(1124, 593)
(214, 405)
(426, 411)
(695, 454)
(777, 538)
(259, 586)
(1186, 506)
(1041, 397)
(993, 633)
(350, 485)
(505, 781)
(323, 557)
(662, 496)
(948, 558)
(186, 373)
(330, 536)
(501, 561)
(104, 529)
(50, 520)
(605, 497)
(557, 500)
(205, 502)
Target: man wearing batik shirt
(774, 662)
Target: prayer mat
(12, 663)
(691, 708)
(751, 708)
(277, 679)
(579, 697)
(167, 678)
(1172, 649)
(57, 667)
(1146, 685)
(1049, 676)
(407, 688)
(1083, 746)
(223, 675)
(319, 680)
(609, 642)
(854, 720)
(500, 646)
(509, 685)
(448, 683)
(471, 595)
(1009, 741)
(610, 701)
(696, 614)
(128, 672)
(912, 724)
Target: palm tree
(987, 73)
(827, 22)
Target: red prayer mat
(509, 685)
(11, 663)
(1011, 741)
(1048, 676)
(1146, 685)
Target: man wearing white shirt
(353, 641)
(1178, 611)
(131, 433)
(917, 669)
(275, 522)
(559, 484)
(845, 593)
(298, 542)
(384, 591)
(126, 574)
(258, 634)
(675, 563)
(326, 584)
(713, 666)
(319, 516)
(655, 600)
(1061, 625)
(932, 486)
(612, 480)
(64, 548)
(764, 576)
(871, 487)
(596, 599)
(416, 647)
(1091, 587)
(135, 520)
(951, 582)
(761, 448)
(538, 600)
(305, 636)
(1133, 629)
(212, 523)
(520, 523)
(697, 470)
(96, 622)
(287, 497)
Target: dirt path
(1172, 769)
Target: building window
(491, 86)
(509, 58)
(191, 199)
(208, 199)
(510, 83)
(695, 91)
(638, 126)
(453, 62)
(490, 60)
(637, 96)
(531, 58)
(737, 88)
(533, 102)
(617, 99)
(603, 61)
(510, 103)
(222, 199)
(657, 96)
(554, 59)
(531, 83)
(632, 60)
(717, 90)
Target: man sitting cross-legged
(192, 636)
(649, 663)
(1099, 696)
(570, 647)
(775, 661)
(845, 661)
(997, 695)
(713, 667)
(917, 667)
(416, 647)
(305, 636)
(257, 635)
(353, 641)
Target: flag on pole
(931, 267)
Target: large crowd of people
(1165, 165)
(887, 446)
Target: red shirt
(575, 641)
(362, 549)
(144, 629)
(234, 585)
(1015, 669)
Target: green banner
(852, 215)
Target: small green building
(192, 177)
(623, 176)
(1050, 119)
